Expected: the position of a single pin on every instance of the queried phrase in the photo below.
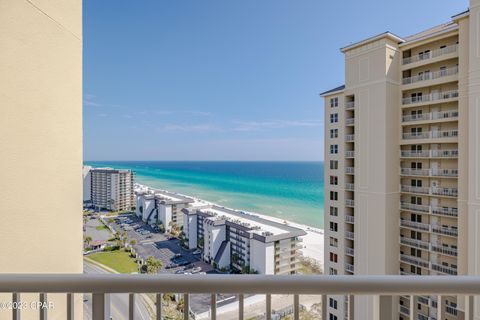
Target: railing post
(324, 306)
(469, 307)
(440, 307)
(159, 306)
(268, 315)
(241, 299)
(412, 307)
(16, 311)
(43, 311)
(213, 307)
(186, 306)
(296, 307)
(100, 306)
(131, 306)
(70, 306)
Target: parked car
(196, 270)
(145, 232)
(171, 265)
(198, 251)
(177, 255)
(180, 271)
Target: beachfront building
(231, 239)
(87, 185)
(159, 206)
(112, 189)
(402, 166)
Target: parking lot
(175, 258)
(165, 248)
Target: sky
(224, 80)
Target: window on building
(334, 102)
(334, 211)
(333, 226)
(332, 317)
(334, 180)
(333, 164)
(333, 242)
(334, 118)
(332, 303)
(333, 257)
(334, 149)
(332, 271)
(334, 195)
(333, 133)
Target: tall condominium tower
(402, 167)
(112, 189)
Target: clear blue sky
(224, 80)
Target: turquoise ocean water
(287, 190)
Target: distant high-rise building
(402, 166)
(112, 189)
(87, 185)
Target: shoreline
(312, 242)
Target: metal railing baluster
(213, 307)
(268, 307)
(186, 306)
(159, 306)
(296, 307)
(241, 299)
(131, 306)
(70, 306)
(42, 310)
(15, 310)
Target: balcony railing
(349, 251)
(415, 261)
(350, 105)
(350, 137)
(439, 248)
(431, 97)
(430, 55)
(430, 172)
(453, 153)
(349, 219)
(349, 267)
(349, 235)
(431, 75)
(437, 210)
(350, 170)
(102, 285)
(434, 191)
(350, 154)
(415, 243)
(430, 116)
(349, 202)
(349, 186)
(350, 121)
(430, 134)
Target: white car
(198, 251)
(196, 270)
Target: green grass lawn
(118, 260)
(102, 227)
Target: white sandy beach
(312, 241)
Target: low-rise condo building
(244, 242)
(156, 206)
(112, 189)
(402, 166)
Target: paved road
(118, 302)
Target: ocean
(287, 190)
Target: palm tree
(153, 265)
(133, 242)
(87, 240)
